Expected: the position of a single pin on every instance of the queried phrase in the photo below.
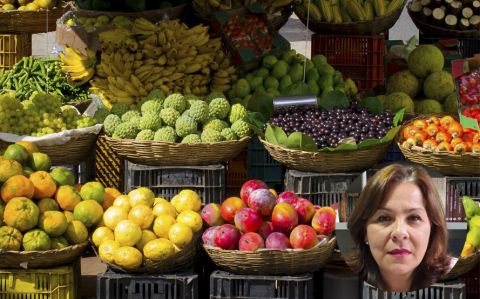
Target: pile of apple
(261, 219)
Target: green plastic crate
(51, 283)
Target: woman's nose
(399, 231)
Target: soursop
(165, 134)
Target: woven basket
(167, 153)
(41, 259)
(75, 151)
(327, 162)
(463, 265)
(428, 28)
(271, 261)
(14, 21)
(374, 27)
(467, 164)
(179, 262)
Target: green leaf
(255, 120)
(398, 118)
(275, 135)
(298, 140)
(372, 104)
(334, 98)
(367, 143)
(390, 134)
(261, 102)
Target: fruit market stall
(224, 160)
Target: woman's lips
(399, 252)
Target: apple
(226, 237)
(284, 217)
(230, 206)
(305, 210)
(262, 201)
(247, 220)
(211, 214)
(277, 240)
(250, 242)
(249, 186)
(304, 237)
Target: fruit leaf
(256, 120)
(300, 141)
(372, 104)
(263, 103)
(398, 118)
(367, 143)
(275, 135)
(390, 134)
(333, 99)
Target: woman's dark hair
(436, 262)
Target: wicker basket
(428, 28)
(327, 162)
(271, 261)
(41, 259)
(374, 27)
(15, 21)
(463, 265)
(75, 151)
(467, 164)
(179, 262)
(167, 153)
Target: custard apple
(166, 134)
(216, 124)
(210, 135)
(237, 112)
(228, 134)
(175, 101)
(152, 106)
(150, 121)
(241, 128)
(185, 125)
(145, 135)
(119, 108)
(214, 95)
(125, 131)
(110, 123)
(199, 111)
(191, 99)
(191, 138)
(219, 108)
(169, 116)
(127, 116)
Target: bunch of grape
(328, 128)
(41, 114)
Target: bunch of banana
(78, 67)
(206, 8)
(346, 11)
(169, 56)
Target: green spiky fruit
(165, 134)
(241, 128)
(169, 116)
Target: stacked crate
(13, 47)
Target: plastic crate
(52, 283)
(467, 47)
(448, 290)
(394, 154)
(262, 166)
(451, 189)
(109, 168)
(236, 173)
(360, 58)
(227, 285)
(83, 172)
(324, 189)
(13, 47)
(167, 181)
(472, 282)
(111, 285)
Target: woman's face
(399, 232)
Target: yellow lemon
(163, 207)
(142, 215)
(180, 234)
(101, 234)
(147, 236)
(122, 201)
(127, 233)
(106, 250)
(113, 216)
(162, 225)
(187, 200)
(141, 195)
(128, 257)
(159, 250)
(192, 219)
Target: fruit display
(32, 74)
(168, 56)
(469, 88)
(285, 76)
(206, 8)
(28, 5)
(139, 229)
(42, 207)
(472, 212)
(178, 118)
(41, 114)
(425, 87)
(440, 134)
(92, 24)
(473, 112)
(79, 68)
(126, 5)
(346, 11)
(261, 219)
(459, 15)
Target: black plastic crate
(167, 181)
(227, 285)
(394, 154)
(262, 166)
(467, 47)
(326, 189)
(472, 282)
(448, 290)
(111, 285)
(451, 190)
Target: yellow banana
(118, 92)
(135, 81)
(193, 68)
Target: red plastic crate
(359, 57)
(236, 173)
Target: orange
(16, 186)
(159, 250)
(47, 204)
(16, 152)
(101, 234)
(67, 197)
(76, 232)
(44, 184)
(21, 213)
(162, 225)
(163, 207)
(110, 195)
(128, 257)
(68, 215)
(40, 161)
(141, 195)
(29, 146)
(94, 191)
(147, 236)
(54, 223)
(9, 168)
(89, 211)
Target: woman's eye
(414, 218)
(382, 218)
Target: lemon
(192, 219)
(113, 215)
(162, 225)
(106, 250)
(163, 207)
(180, 234)
(122, 201)
(159, 250)
(142, 215)
(128, 257)
(127, 233)
(147, 236)
(141, 195)
(101, 234)
(187, 200)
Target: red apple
(211, 214)
(251, 242)
(304, 209)
(247, 220)
(208, 235)
(230, 206)
(226, 237)
(304, 237)
(265, 229)
(249, 186)
(324, 220)
(284, 218)
(277, 240)
(262, 201)
(286, 196)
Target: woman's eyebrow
(407, 211)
